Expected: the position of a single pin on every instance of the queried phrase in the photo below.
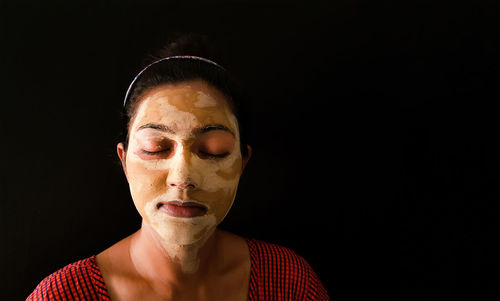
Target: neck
(159, 260)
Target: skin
(184, 145)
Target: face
(183, 162)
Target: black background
(374, 130)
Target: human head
(177, 110)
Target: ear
(122, 154)
(247, 157)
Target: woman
(183, 154)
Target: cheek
(231, 172)
(219, 201)
(145, 184)
(220, 189)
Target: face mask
(183, 162)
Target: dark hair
(179, 70)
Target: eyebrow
(198, 130)
(156, 126)
(214, 127)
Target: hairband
(165, 59)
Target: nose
(181, 174)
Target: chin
(183, 231)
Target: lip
(179, 208)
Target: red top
(276, 273)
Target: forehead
(184, 106)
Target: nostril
(182, 185)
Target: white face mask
(184, 147)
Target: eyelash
(214, 155)
(203, 153)
(155, 153)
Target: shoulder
(281, 271)
(74, 281)
(265, 254)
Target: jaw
(180, 239)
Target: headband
(189, 57)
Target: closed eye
(155, 153)
(210, 155)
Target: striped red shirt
(276, 273)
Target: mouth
(182, 208)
